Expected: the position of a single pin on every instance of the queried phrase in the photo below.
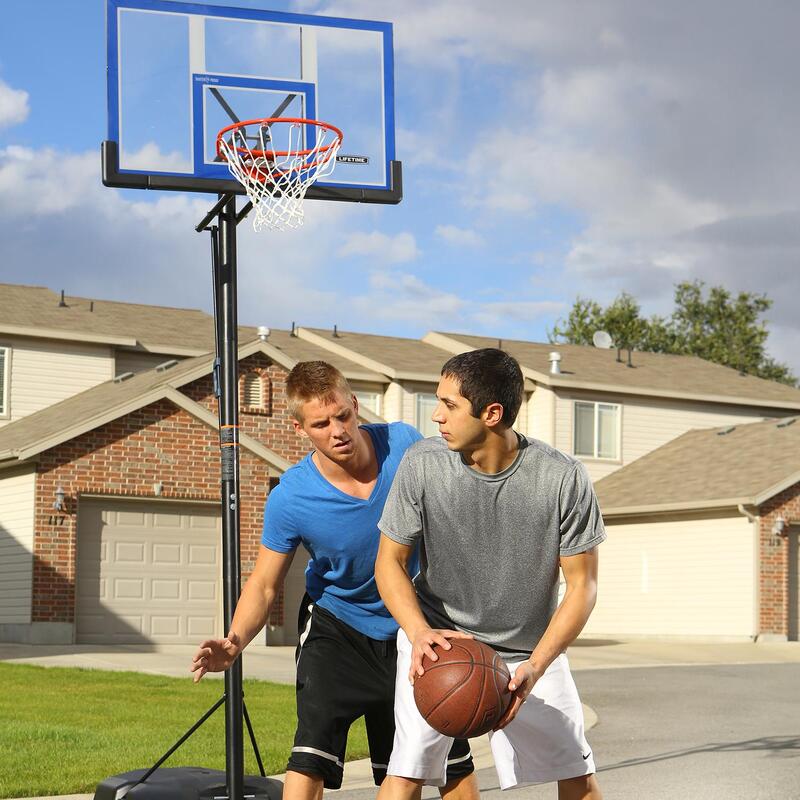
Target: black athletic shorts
(343, 675)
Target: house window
(369, 400)
(596, 430)
(5, 353)
(426, 403)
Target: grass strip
(63, 730)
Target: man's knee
(394, 787)
(584, 787)
(464, 787)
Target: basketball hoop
(276, 161)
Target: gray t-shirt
(490, 544)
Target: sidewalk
(277, 664)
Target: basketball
(465, 692)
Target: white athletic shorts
(545, 742)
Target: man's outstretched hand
(215, 655)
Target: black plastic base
(183, 783)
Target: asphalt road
(684, 733)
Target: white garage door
(147, 572)
(680, 577)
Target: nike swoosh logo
(586, 756)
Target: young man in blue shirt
(331, 502)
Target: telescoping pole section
(226, 318)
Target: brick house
(133, 553)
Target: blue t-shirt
(340, 532)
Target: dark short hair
(488, 376)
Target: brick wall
(778, 594)
(158, 443)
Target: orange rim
(274, 154)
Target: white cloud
(460, 237)
(508, 315)
(13, 105)
(149, 157)
(381, 247)
(405, 297)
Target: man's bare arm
(580, 574)
(252, 612)
(398, 594)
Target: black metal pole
(226, 313)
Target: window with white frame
(596, 430)
(369, 400)
(426, 403)
(5, 353)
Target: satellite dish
(602, 340)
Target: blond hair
(313, 380)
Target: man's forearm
(565, 625)
(399, 595)
(252, 612)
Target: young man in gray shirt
(495, 514)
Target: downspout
(752, 516)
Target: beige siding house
(17, 487)
(703, 537)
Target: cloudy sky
(550, 149)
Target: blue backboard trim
(250, 14)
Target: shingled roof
(397, 357)
(35, 311)
(710, 468)
(111, 400)
(659, 374)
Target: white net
(276, 164)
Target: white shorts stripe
(321, 753)
(304, 634)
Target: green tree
(718, 327)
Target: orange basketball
(465, 692)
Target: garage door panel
(677, 578)
(126, 552)
(200, 627)
(128, 589)
(202, 522)
(147, 575)
(202, 590)
(165, 589)
(162, 626)
(202, 555)
(134, 519)
(168, 554)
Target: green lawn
(63, 730)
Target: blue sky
(550, 149)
